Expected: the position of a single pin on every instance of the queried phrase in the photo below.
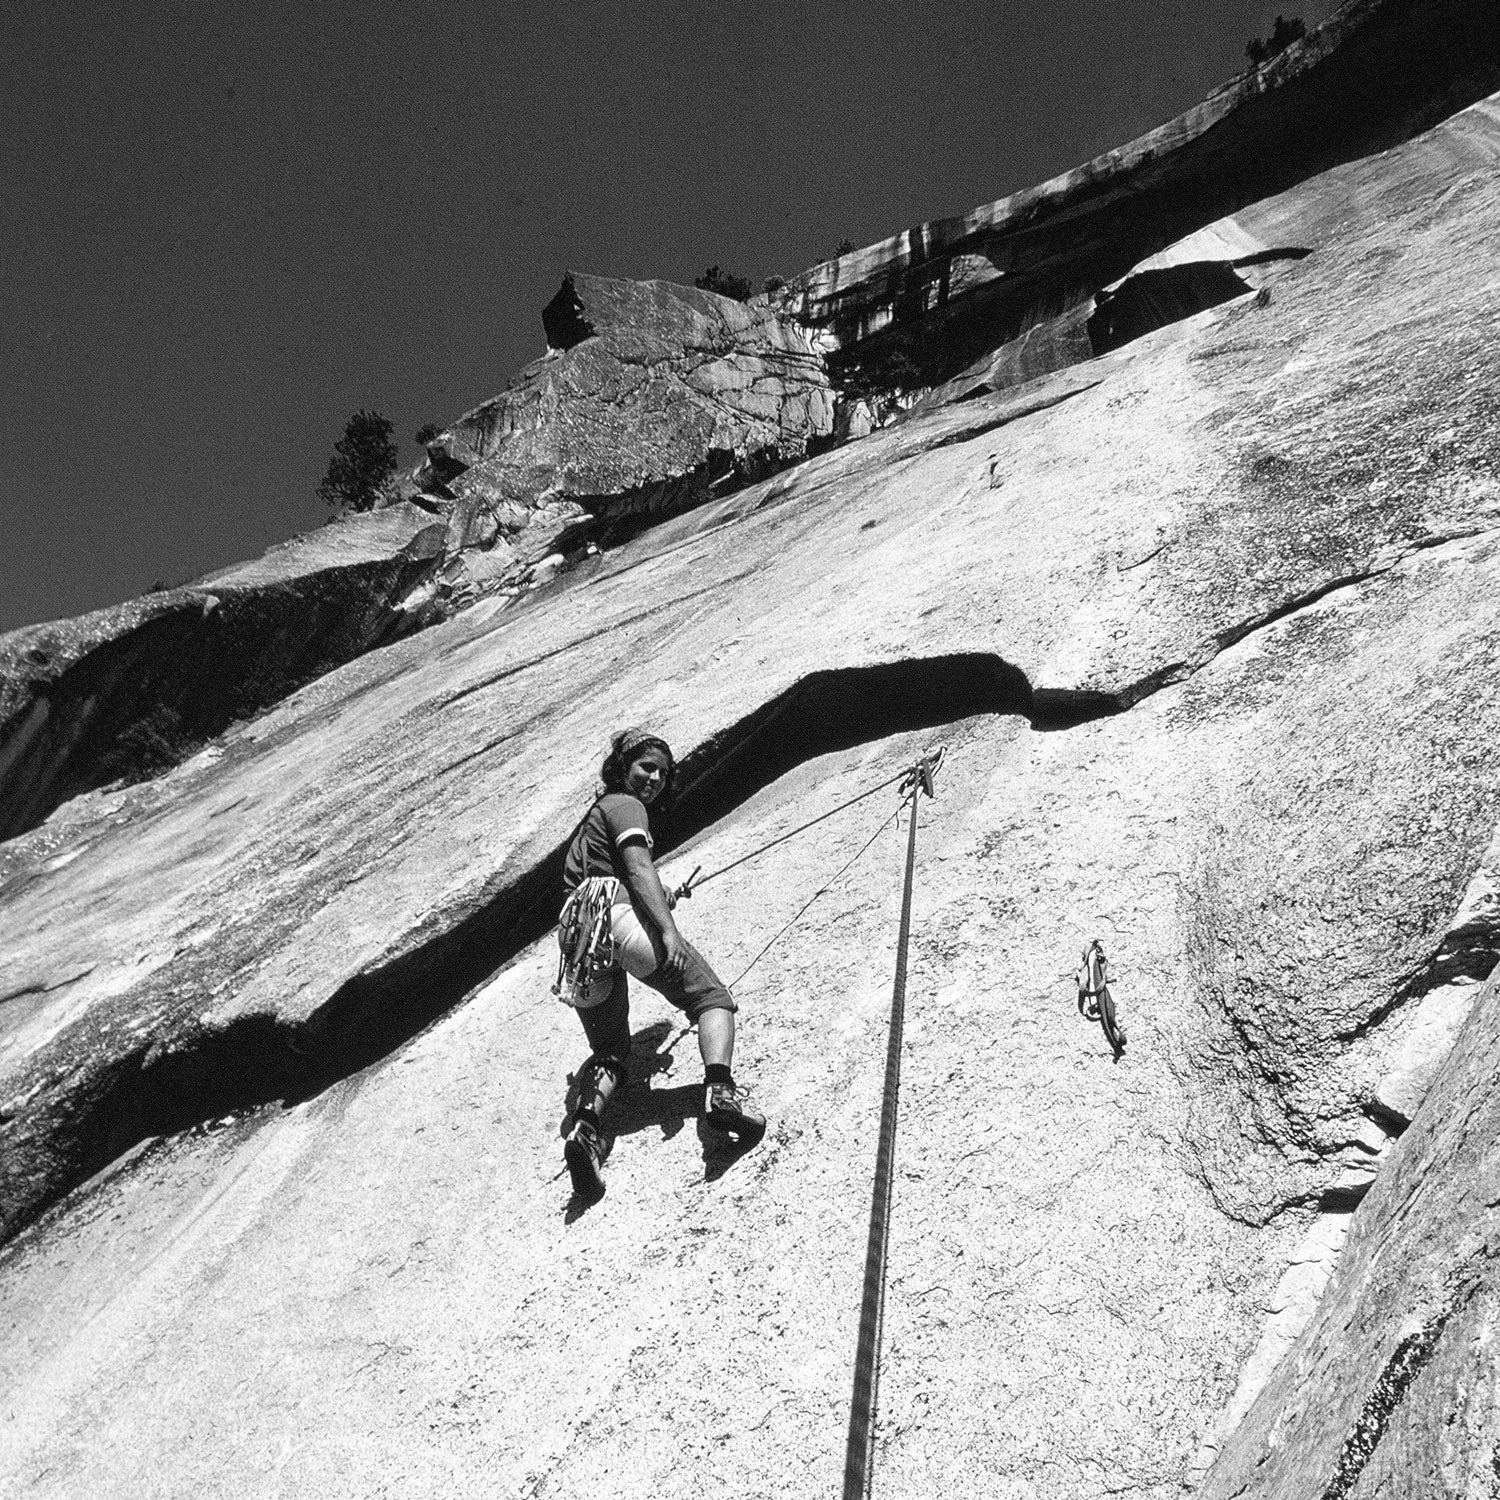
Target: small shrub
(901, 363)
(427, 432)
(773, 284)
(724, 283)
(1283, 34)
(843, 247)
(363, 460)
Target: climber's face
(647, 775)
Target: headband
(628, 741)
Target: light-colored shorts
(606, 1014)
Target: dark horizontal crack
(1013, 413)
(1142, 560)
(1266, 257)
(256, 1060)
(47, 989)
(1221, 640)
(1148, 300)
(484, 749)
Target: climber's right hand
(674, 954)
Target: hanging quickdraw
(1095, 1003)
(922, 773)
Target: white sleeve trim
(633, 833)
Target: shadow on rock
(640, 1107)
(648, 1060)
(637, 1106)
(720, 1150)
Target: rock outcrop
(1209, 627)
(128, 691)
(1392, 1388)
(650, 397)
(920, 307)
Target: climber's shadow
(720, 1151)
(638, 1105)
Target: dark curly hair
(623, 748)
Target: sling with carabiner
(585, 941)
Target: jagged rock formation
(128, 691)
(1208, 624)
(650, 396)
(919, 307)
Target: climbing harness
(1095, 1003)
(587, 950)
(586, 945)
(916, 780)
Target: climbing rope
(917, 780)
(693, 881)
(822, 890)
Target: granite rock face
(1209, 627)
(650, 396)
(1391, 1390)
(919, 308)
(128, 691)
(655, 398)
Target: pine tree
(363, 459)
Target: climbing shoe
(725, 1106)
(583, 1151)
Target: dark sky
(227, 226)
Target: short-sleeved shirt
(614, 820)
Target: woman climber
(617, 920)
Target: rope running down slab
(860, 1446)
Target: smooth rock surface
(1210, 628)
